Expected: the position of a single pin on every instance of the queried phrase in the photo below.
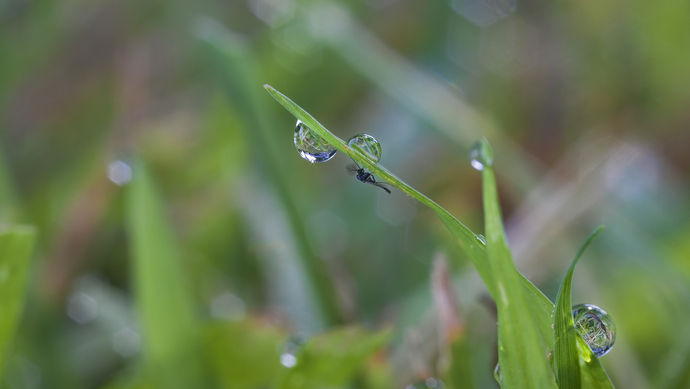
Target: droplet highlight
(310, 146)
(429, 383)
(288, 357)
(481, 238)
(480, 155)
(367, 145)
(596, 328)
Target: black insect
(365, 177)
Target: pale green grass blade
(565, 352)
(520, 354)
(170, 332)
(16, 247)
(238, 75)
(332, 359)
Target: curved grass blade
(540, 306)
(593, 374)
(16, 246)
(522, 359)
(566, 355)
(171, 331)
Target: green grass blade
(16, 247)
(593, 374)
(171, 336)
(542, 307)
(520, 354)
(566, 355)
(238, 73)
(332, 359)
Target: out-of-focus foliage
(585, 104)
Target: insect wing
(352, 169)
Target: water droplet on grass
(310, 146)
(429, 383)
(480, 155)
(481, 238)
(497, 373)
(596, 328)
(367, 145)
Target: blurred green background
(183, 243)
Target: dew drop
(481, 238)
(497, 373)
(429, 383)
(367, 145)
(310, 146)
(480, 155)
(288, 356)
(596, 328)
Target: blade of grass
(540, 306)
(16, 247)
(522, 359)
(171, 334)
(466, 238)
(237, 71)
(565, 352)
(593, 374)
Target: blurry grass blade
(522, 359)
(16, 247)
(675, 371)
(237, 71)
(332, 359)
(566, 355)
(171, 338)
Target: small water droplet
(288, 357)
(310, 146)
(497, 373)
(481, 238)
(480, 155)
(367, 145)
(596, 328)
(429, 383)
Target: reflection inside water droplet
(596, 328)
(480, 156)
(429, 383)
(310, 146)
(367, 145)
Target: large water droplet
(367, 145)
(310, 146)
(596, 328)
(480, 155)
(429, 383)
(288, 357)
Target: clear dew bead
(480, 155)
(367, 145)
(481, 238)
(429, 383)
(596, 328)
(310, 146)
